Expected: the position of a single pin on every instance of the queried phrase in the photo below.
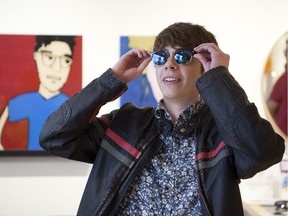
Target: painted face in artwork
(53, 64)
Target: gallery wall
(245, 29)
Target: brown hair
(185, 35)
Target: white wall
(245, 29)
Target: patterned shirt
(168, 185)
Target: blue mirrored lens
(183, 56)
(160, 57)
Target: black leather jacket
(233, 142)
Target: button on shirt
(168, 184)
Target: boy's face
(53, 64)
(176, 81)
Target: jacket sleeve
(255, 144)
(73, 131)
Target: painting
(37, 74)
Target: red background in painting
(18, 75)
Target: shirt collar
(186, 114)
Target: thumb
(143, 65)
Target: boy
(184, 157)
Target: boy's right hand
(131, 65)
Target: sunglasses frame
(167, 55)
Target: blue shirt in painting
(36, 109)
(139, 93)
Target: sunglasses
(181, 56)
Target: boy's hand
(131, 65)
(211, 56)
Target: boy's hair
(44, 39)
(183, 34)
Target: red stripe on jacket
(210, 154)
(105, 120)
(123, 144)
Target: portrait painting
(37, 74)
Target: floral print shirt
(168, 185)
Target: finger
(135, 71)
(207, 47)
(143, 64)
(141, 53)
(202, 57)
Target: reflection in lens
(183, 56)
(160, 58)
